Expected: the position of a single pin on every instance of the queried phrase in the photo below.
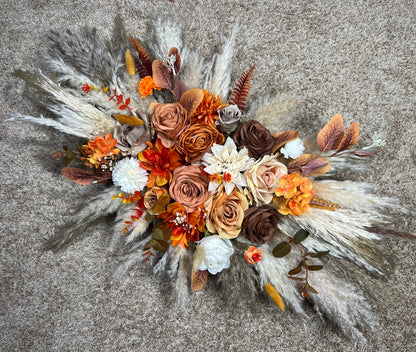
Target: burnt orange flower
(296, 192)
(146, 86)
(207, 111)
(185, 227)
(160, 162)
(100, 150)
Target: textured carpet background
(348, 57)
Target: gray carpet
(348, 57)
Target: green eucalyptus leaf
(296, 270)
(318, 254)
(282, 249)
(310, 288)
(315, 267)
(296, 278)
(300, 236)
(161, 246)
(161, 233)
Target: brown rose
(260, 223)
(256, 138)
(194, 142)
(155, 200)
(169, 120)
(263, 178)
(226, 213)
(189, 187)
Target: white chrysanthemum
(129, 176)
(226, 161)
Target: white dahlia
(228, 163)
(129, 176)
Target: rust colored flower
(226, 213)
(296, 192)
(156, 200)
(185, 227)
(252, 255)
(195, 141)
(260, 224)
(256, 138)
(100, 150)
(160, 162)
(146, 86)
(169, 121)
(189, 187)
(207, 111)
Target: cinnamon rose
(256, 138)
(226, 213)
(189, 187)
(260, 223)
(195, 141)
(169, 120)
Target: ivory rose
(189, 187)
(169, 121)
(263, 177)
(226, 213)
(216, 253)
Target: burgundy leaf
(84, 177)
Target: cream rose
(214, 253)
(226, 213)
(169, 121)
(263, 178)
(189, 187)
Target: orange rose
(169, 120)
(226, 213)
(252, 255)
(195, 141)
(189, 187)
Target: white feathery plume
(274, 270)
(168, 34)
(343, 304)
(218, 77)
(139, 228)
(193, 70)
(74, 116)
(274, 113)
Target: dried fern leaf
(241, 90)
(144, 56)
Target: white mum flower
(293, 149)
(226, 161)
(129, 176)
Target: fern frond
(144, 56)
(241, 90)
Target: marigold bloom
(146, 86)
(185, 227)
(207, 111)
(296, 192)
(160, 162)
(98, 149)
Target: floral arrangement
(206, 186)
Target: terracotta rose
(195, 141)
(226, 213)
(189, 187)
(263, 178)
(169, 121)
